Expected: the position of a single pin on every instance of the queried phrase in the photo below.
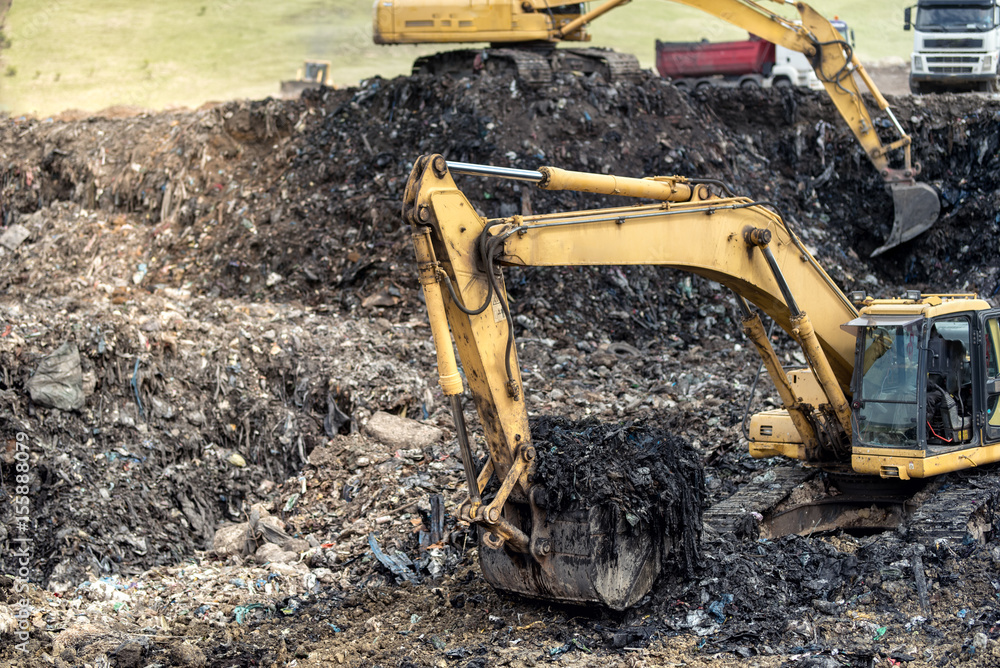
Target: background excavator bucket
(596, 557)
(917, 207)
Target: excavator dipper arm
(734, 241)
(917, 205)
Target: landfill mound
(300, 199)
(252, 362)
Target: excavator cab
(926, 387)
(915, 385)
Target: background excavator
(894, 389)
(524, 35)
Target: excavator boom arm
(707, 238)
(833, 60)
(741, 244)
(690, 229)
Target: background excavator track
(534, 65)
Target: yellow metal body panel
(906, 464)
(467, 21)
(929, 306)
(807, 389)
(773, 434)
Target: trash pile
(211, 338)
(647, 475)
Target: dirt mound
(240, 290)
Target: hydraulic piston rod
(660, 188)
(499, 172)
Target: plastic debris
(58, 380)
(240, 611)
(400, 565)
(717, 608)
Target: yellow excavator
(895, 389)
(524, 34)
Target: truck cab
(956, 45)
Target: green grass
(91, 54)
(878, 26)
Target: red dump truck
(752, 62)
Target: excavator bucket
(917, 207)
(596, 557)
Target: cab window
(949, 399)
(992, 358)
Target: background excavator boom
(916, 205)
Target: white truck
(956, 45)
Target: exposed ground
(240, 291)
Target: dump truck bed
(698, 59)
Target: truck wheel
(782, 82)
(750, 84)
(918, 88)
(990, 86)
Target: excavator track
(612, 65)
(736, 513)
(960, 508)
(534, 65)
